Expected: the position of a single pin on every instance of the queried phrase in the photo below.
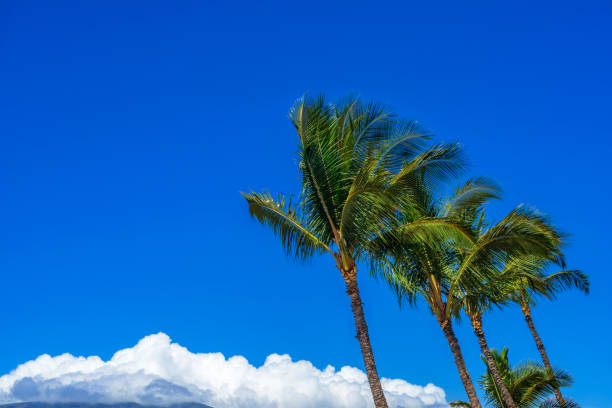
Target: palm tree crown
(357, 166)
(529, 383)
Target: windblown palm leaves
(453, 277)
(359, 165)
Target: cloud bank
(157, 371)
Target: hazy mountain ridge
(98, 405)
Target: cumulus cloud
(158, 371)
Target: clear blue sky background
(128, 131)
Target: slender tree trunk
(364, 342)
(484, 347)
(447, 327)
(527, 312)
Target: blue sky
(127, 133)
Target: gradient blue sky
(127, 133)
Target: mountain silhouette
(99, 405)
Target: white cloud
(157, 371)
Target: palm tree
(425, 270)
(495, 278)
(526, 293)
(448, 274)
(529, 383)
(357, 163)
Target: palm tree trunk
(447, 327)
(484, 347)
(527, 312)
(364, 342)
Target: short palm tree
(357, 166)
(448, 274)
(529, 383)
(549, 286)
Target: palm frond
(405, 140)
(566, 279)
(439, 162)
(467, 199)
(460, 404)
(283, 218)
(553, 403)
(321, 167)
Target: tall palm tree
(446, 272)
(549, 286)
(495, 278)
(357, 165)
(425, 270)
(529, 383)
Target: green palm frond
(466, 202)
(437, 163)
(460, 404)
(535, 382)
(284, 220)
(321, 166)
(564, 280)
(553, 403)
(523, 231)
(405, 141)
(434, 230)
